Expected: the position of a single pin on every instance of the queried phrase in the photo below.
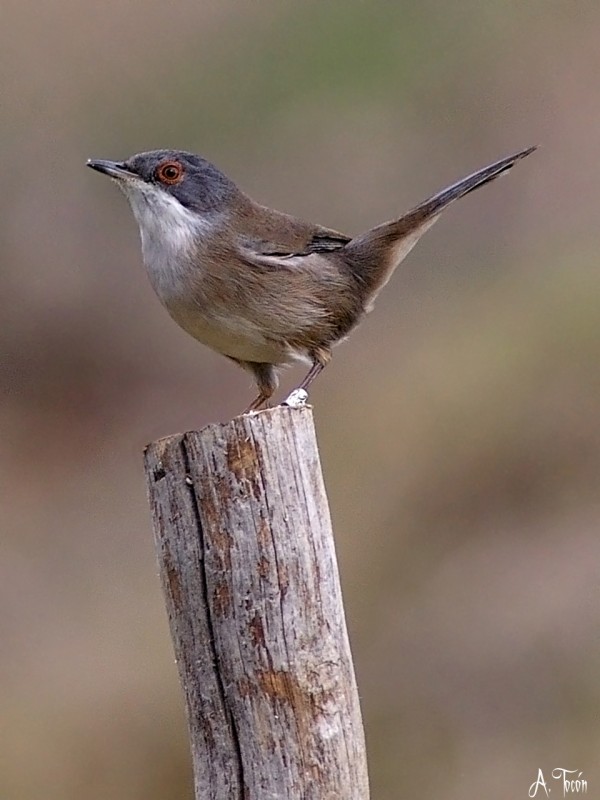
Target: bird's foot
(297, 398)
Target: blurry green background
(459, 427)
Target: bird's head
(171, 191)
(189, 179)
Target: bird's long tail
(375, 254)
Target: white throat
(170, 234)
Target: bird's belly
(232, 336)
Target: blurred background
(459, 427)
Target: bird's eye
(170, 172)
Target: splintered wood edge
(160, 445)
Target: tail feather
(375, 254)
(440, 200)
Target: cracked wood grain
(247, 563)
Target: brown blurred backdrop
(459, 427)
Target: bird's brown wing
(302, 294)
(264, 232)
(320, 240)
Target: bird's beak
(111, 168)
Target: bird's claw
(297, 398)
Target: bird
(260, 286)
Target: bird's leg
(258, 401)
(266, 379)
(321, 357)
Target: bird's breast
(229, 334)
(170, 253)
(177, 287)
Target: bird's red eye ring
(169, 172)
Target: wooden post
(248, 568)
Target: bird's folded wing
(319, 240)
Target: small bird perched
(259, 286)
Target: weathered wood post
(248, 568)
